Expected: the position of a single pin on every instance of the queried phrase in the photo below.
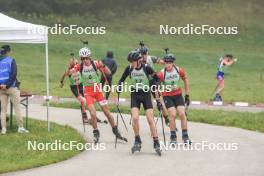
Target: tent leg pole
(47, 84)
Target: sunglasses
(85, 58)
(168, 62)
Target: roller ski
(96, 136)
(136, 146)
(118, 135)
(157, 147)
(101, 121)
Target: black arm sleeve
(152, 73)
(124, 75)
(13, 74)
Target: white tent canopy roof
(15, 31)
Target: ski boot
(137, 145)
(173, 138)
(118, 135)
(185, 138)
(96, 135)
(157, 147)
(218, 97)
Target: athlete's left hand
(159, 105)
(187, 100)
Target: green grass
(245, 120)
(198, 54)
(15, 155)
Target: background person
(110, 62)
(76, 85)
(150, 61)
(224, 62)
(9, 89)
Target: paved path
(247, 160)
(203, 105)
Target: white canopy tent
(15, 31)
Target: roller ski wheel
(96, 136)
(186, 140)
(157, 147)
(136, 147)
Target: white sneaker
(22, 130)
(3, 131)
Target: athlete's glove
(61, 84)
(187, 100)
(119, 89)
(159, 105)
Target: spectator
(9, 89)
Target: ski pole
(118, 110)
(79, 95)
(162, 124)
(117, 128)
(156, 121)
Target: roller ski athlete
(92, 91)
(138, 73)
(76, 86)
(170, 77)
(224, 62)
(150, 61)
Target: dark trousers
(103, 82)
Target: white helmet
(85, 52)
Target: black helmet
(7, 48)
(2, 51)
(169, 58)
(134, 56)
(228, 55)
(110, 54)
(143, 50)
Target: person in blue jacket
(9, 88)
